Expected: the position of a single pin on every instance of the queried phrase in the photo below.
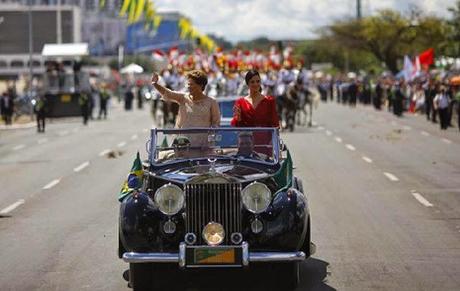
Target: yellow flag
(124, 7)
(149, 13)
(156, 21)
(139, 9)
(185, 27)
(132, 11)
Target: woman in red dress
(255, 110)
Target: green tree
(389, 35)
(325, 50)
(454, 23)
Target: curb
(18, 126)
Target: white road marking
(320, 128)
(425, 133)
(43, 140)
(19, 147)
(328, 132)
(367, 159)
(421, 199)
(446, 140)
(391, 177)
(350, 147)
(81, 167)
(121, 144)
(51, 184)
(338, 139)
(134, 137)
(62, 133)
(104, 152)
(406, 127)
(12, 207)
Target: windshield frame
(154, 136)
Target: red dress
(264, 115)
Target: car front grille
(213, 202)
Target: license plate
(66, 98)
(213, 256)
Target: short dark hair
(250, 74)
(198, 77)
(245, 134)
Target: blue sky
(282, 19)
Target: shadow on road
(313, 273)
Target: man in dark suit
(7, 108)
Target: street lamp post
(358, 9)
(58, 22)
(31, 46)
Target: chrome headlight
(256, 197)
(169, 199)
(213, 233)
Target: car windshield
(258, 144)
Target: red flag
(158, 55)
(427, 58)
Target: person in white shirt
(441, 103)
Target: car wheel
(141, 276)
(290, 272)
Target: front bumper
(179, 258)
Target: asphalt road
(384, 195)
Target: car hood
(220, 172)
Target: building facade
(81, 21)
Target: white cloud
(282, 19)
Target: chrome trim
(218, 202)
(133, 257)
(248, 257)
(153, 145)
(245, 247)
(181, 255)
(155, 131)
(169, 227)
(236, 241)
(190, 242)
(250, 185)
(254, 225)
(169, 185)
(276, 257)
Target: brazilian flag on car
(134, 180)
(284, 175)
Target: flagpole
(58, 23)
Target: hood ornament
(212, 165)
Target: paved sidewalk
(19, 123)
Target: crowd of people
(287, 86)
(433, 95)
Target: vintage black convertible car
(213, 198)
